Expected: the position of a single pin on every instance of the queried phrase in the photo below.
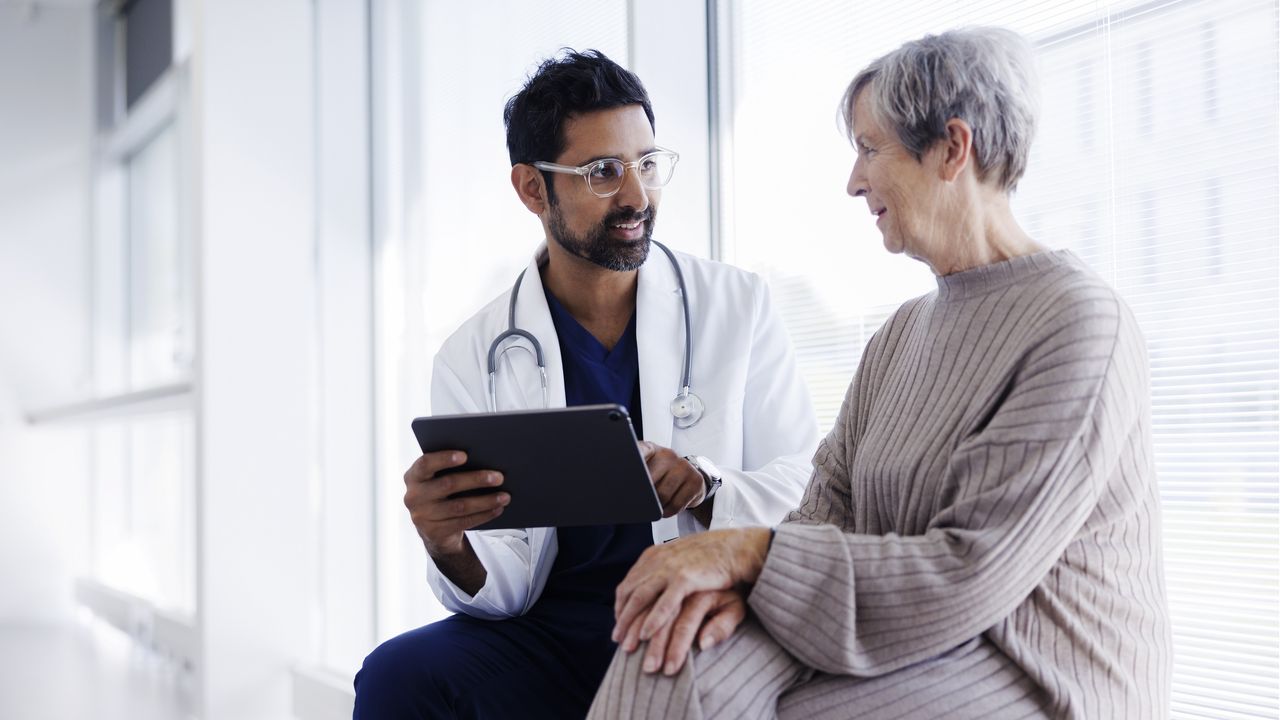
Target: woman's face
(903, 193)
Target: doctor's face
(612, 232)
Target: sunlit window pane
(158, 328)
(144, 508)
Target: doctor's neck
(602, 300)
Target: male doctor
(535, 606)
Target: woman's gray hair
(985, 76)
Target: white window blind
(1156, 162)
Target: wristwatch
(710, 474)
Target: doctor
(693, 348)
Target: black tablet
(562, 467)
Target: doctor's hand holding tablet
(568, 466)
(440, 515)
(438, 502)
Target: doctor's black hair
(568, 84)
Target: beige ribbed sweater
(981, 536)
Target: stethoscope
(686, 408)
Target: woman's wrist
(753, 547)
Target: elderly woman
(981, 535)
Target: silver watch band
(710, 475)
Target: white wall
(45, 130)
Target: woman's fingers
(664, 610)
(631, 640)
(708, 616)
(634, 600)
(684, 629)
(656, 650)
(728, 613)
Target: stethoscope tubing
(513, 331)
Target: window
(143, 340)
(159, 303)
(144, 509)
(1157, 166)
(148, 44)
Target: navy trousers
(547, 663)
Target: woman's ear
(528, 183)
(957, 149)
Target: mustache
(628, 216)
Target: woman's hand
(653, 596)
(709, 616)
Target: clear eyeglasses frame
(604, 177)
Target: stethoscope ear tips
(687, 409)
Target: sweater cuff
(797, 581)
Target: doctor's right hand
(678, 483)
(440, 518)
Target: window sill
(322, 694)
(155, 399)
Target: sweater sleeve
(1023, 481)
(826, 498)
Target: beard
(596, 247)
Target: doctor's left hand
(678, 483)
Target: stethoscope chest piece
(686, 409)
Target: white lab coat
(758, 427)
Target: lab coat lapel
(660, 345)
(533, 316)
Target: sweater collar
(986, 278)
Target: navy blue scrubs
(549, 662)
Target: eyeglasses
(604, 177)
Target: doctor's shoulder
(473, 336)
(720, 278)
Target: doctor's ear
(530, 186)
